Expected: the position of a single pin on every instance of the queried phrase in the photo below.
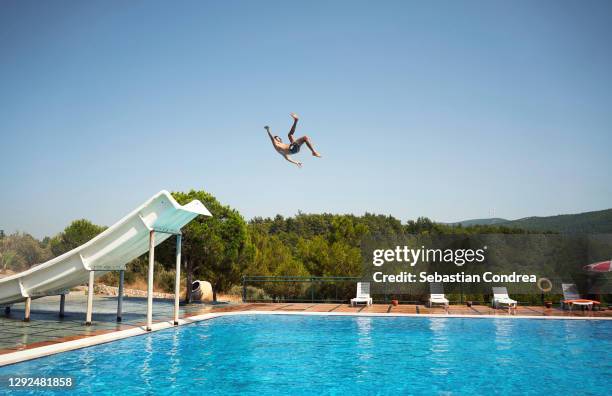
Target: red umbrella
(603, 266)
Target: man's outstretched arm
(298, 163)
(267, 128)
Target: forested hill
(589, 222)
(474, 222)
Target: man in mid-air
(294, 147)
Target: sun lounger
(500, 297)
(436, 295)
(571, 297)
(363, 294)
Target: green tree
(8, 255)
(322, 258)
(216, 248)
(76, 234)
(21, 251)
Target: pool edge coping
(47, 350)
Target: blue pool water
(295, 355)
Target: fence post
(336, 287)
(386, 292)
(312, 290)
(244, 289)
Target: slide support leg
(120, 296)
(150, 280)
(28, 305)
(90, 293)
(177, 279)
(62, 305)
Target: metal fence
(340, 289)
(332, 289)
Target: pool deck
(47, 334)
(415, 309)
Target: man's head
(278, 139)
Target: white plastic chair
(436, 295)
(500, 297)
(571, 297)
(363, 294)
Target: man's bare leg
(292, 131)
(306, 139)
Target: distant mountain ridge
(491, 221)
(599, 221)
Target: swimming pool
(294, 354)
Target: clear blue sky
(445, 109)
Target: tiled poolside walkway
(421, 309)
(46, 328)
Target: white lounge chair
(571, 297)
(500, 297)
(363, 294)
(436, 295)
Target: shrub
(253, 293)
(165, 280)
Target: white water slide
(140, 231)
